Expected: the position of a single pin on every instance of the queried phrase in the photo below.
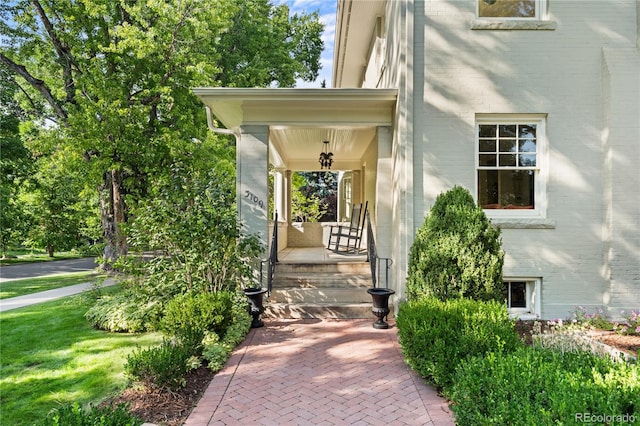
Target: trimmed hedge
(542, 386)
(436, 336)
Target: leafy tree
(15, 166)
(114, 77)
(57, 207)
(265, 46)
(456, 252)
(324, 186)
(306, 204)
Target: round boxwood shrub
(456, 252)
(189, 316)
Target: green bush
(217, 352)
(544, 387)
(124, 312)
(456, 252)
(437, 336)
(164, 366)
(188, 316)
(74, 415)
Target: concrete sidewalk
(319, 372)
(45, 296)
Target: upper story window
(510, 174)
(512, 15)
(519, 9)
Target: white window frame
(541, 170)
(540, 13)
(534, 291)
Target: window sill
(511, 24)
(523, 223)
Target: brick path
(319, 372)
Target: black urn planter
(380, 305)
(255, 305)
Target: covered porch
(281, 131)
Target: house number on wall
(254, 198)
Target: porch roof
(300, 119)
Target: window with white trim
(512, 9)
(521, 296)
(509, 165)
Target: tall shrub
(456, 252)
(436, 336)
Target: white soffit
(235, 107)
(300, 120)
(355, 28)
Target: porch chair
(352, 232)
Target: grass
(50, 357)
(33, 285)
(15, 256)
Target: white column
(279, 193)
(287, 213)
(252, 180)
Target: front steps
(320, 290)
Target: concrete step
(317, 268)
(321, 279)
(321, 295)
(319, 310)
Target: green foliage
(114, 79)
(217, 352)
(456, 252)
(191, 218)
(542, 386)
(265, 47)
(74, 415)
(189, 316)
(15, 166)
(163, 366)
(306, 205)
(436, 336)
(126, 311)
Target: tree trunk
(112, 208)
(50, 250)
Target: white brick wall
(453, 73)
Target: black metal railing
(272, 259)
(375, 260)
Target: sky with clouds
(327, 11)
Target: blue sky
(327, 10)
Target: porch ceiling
(301, 119)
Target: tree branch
(63, 51)
(37, 84)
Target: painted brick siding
(465, 72)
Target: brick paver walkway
(319, 372)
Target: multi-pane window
(508, 165)
(515, 9)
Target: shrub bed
(194, 324)
(437, 336)
(535, 385)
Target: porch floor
(318, 255)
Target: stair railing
(272, 259)
(374, 259)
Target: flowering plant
(630, 325)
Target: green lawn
(28, 256)
(33, 285)
(50, 356)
